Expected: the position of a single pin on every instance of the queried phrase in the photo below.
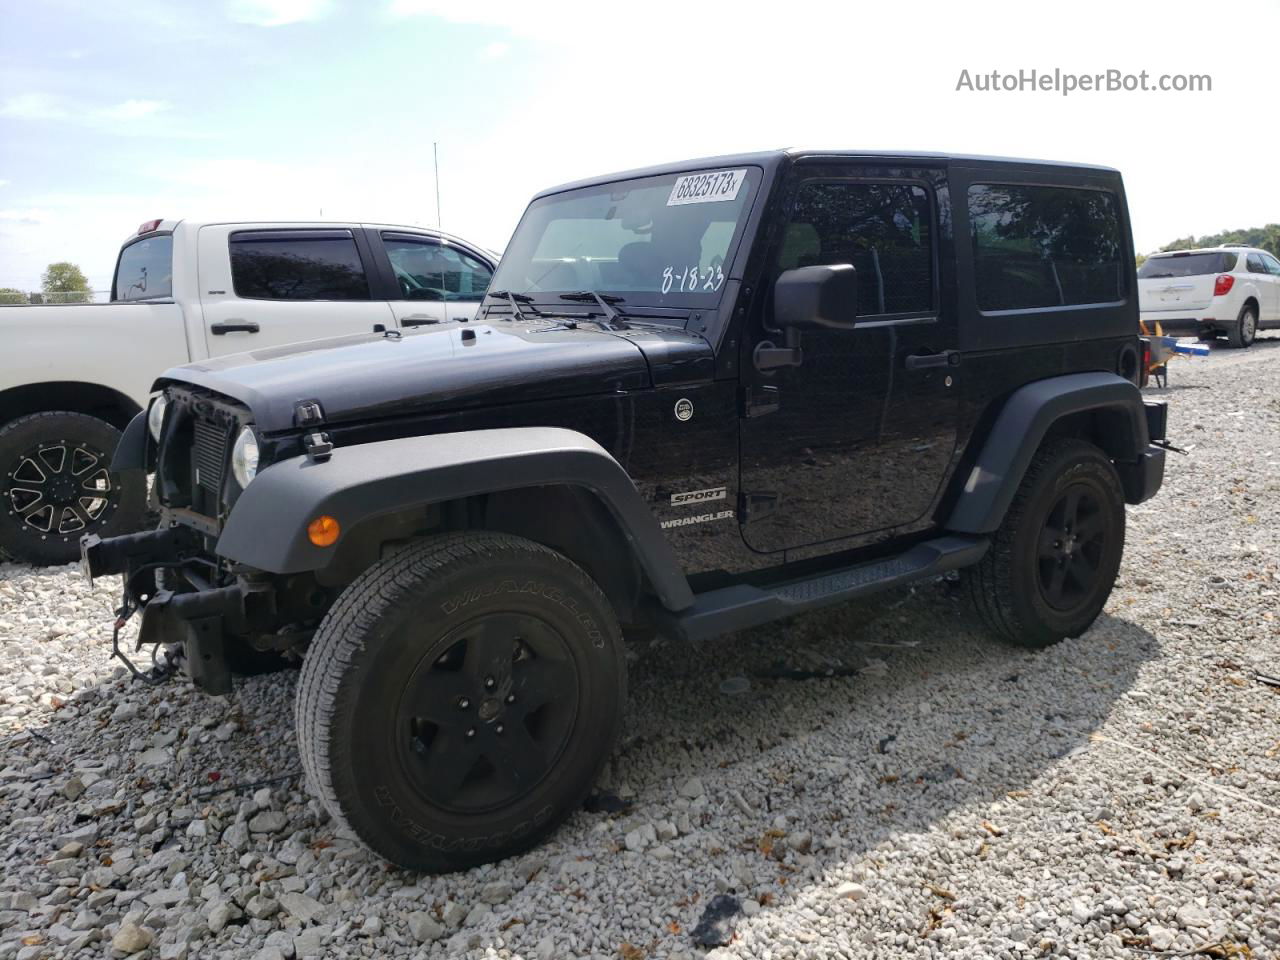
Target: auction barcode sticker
(710, 187)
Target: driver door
(436, 280)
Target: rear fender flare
(267, 528)
(1021, 426)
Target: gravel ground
(1117, 795)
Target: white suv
(1232, 290)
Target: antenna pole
(435, 153)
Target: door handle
(233, 326)
(419, 320)
(920, 361)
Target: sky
(116, 113)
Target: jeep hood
(447, 367)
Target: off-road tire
(1006, 590)
(82, 437)
(393, 625)
(1246, 329)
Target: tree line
(1264, 238)
(61, 282)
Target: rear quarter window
(299, 265)
(145, 270)
(1045, 246)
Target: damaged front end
(192, 605)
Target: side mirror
(813, 297)
(808, 298)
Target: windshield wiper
(515, 299)
(606, 302)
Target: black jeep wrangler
(696, 398)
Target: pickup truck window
(297, 265)
(145, 270)
(1036, 246)
(883, 229)
(432, 271)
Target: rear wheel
(56, 485)
(1246, 329)
(459, 699)
(1054, 560)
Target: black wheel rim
(59, 489)
(484, 718)
(1071, 548)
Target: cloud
(26, 217)
(4, 183)
(496, 50)
(33, 106)
(133, 109)
(277, 13)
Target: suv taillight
(1222, 286)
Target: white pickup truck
(71, 377)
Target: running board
(738, 607)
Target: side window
(884, 229)
(1228, 263)
(1037, 246)
(432, 271)
(297, 265)
(1272, 264)
(1254, 262)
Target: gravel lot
(1118, 795)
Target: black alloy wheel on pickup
(56, 485)
(1054, 560)
(459, 699)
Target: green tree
(10, 295)
(65, 283)
(1265, 238)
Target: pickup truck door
(264, 286)
(433, 279)
(857, 439)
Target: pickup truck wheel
(459, 699)
(1054, 560)
(1246, 329)
(56, 485)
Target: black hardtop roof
(769, 159)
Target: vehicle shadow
(937, 718)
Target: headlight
(244, 457)
(155, 416)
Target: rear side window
(1186, 265)
(1036, 246)
(432, 271)
(297, 265)
(145, 270)
(884, 229)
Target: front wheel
(460, 698)
(56, 485)
(1054, 560)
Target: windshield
(1186, 265)
(658, 241)
(145, 270)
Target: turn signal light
(1222, 286)
(323, 531)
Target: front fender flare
(267, 528)
(1020, 428)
